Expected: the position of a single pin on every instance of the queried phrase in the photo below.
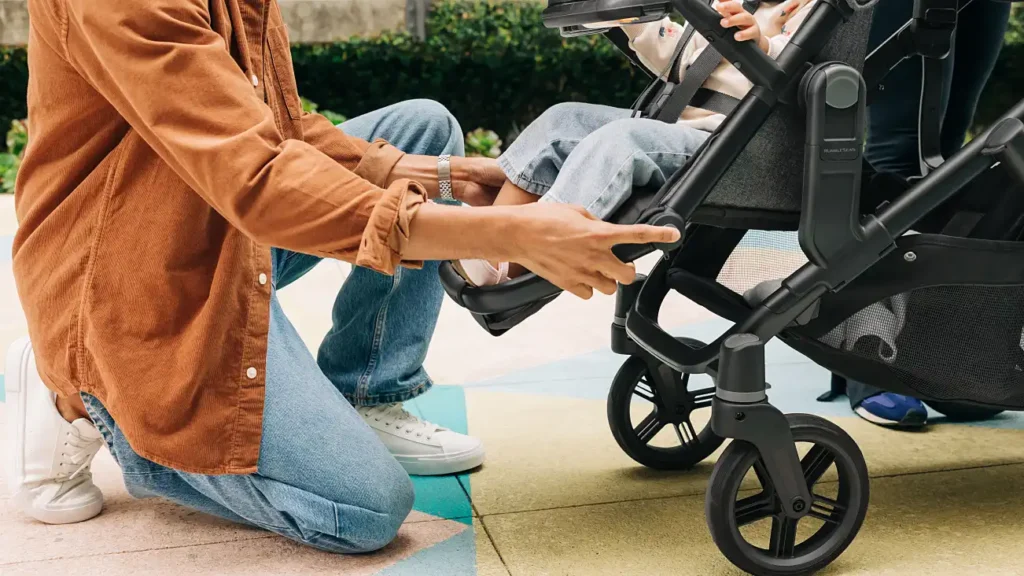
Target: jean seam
(631, 158)
(521, 179)
(362, 389)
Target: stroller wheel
(656, 434)
(756, 535)
(963, 412)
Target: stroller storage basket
(940, 318)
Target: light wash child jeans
(593, 156)
(324, 478)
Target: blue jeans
(893, 117)
(324, 478)
(593, 156)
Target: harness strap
(714, 101)
(682, 94)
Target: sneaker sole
(907, 422)
(442, 465)
(66, 516)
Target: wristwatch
(444, 177)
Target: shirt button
(251, 373)
(255, 81)
(263, 279)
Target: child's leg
(533, 161)
(512, 195)
(604, 168)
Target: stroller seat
(760, 188)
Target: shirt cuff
(378, 162)
(389, 226)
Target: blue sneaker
(893, 410)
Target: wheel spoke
(762, 476)
(783, 539)
(826, 509)
(754, 508)
(702, 398)
(649, 428)
(816, 463)
(691, 431)
(644, 391)
(678, 429)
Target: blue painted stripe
(3, 391)
(443, 496)
(455, 556)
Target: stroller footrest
(509, 296)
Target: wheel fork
(741, 411)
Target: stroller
(917, 286)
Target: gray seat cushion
(768, 175)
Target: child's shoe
(481, 272)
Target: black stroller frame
(857, 256)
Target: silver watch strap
(444, 176)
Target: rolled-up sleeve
(170, 75)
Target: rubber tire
(964, 412)
(732, 467)
(620, 423)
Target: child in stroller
(593, 156)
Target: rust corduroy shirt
(167, 152)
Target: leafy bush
(334, 117)
(491, 63)
(14, 84)
(484, 143)
(10, 161)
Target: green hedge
(492, 63)
(13, 84)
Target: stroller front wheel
(754, 532)
(658, 431)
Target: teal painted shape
(443, 496)
(455, 556)
(3, 391)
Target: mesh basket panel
(947, 342)
(761, 256)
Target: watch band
(444, 177)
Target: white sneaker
(48, 457)
(422, 448)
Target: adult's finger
(617, 270)
(602, 283)
(622, 272)
(643, 234)
(581, 291)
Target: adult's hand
(572, 249)
(563, 244)
(475, 181)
